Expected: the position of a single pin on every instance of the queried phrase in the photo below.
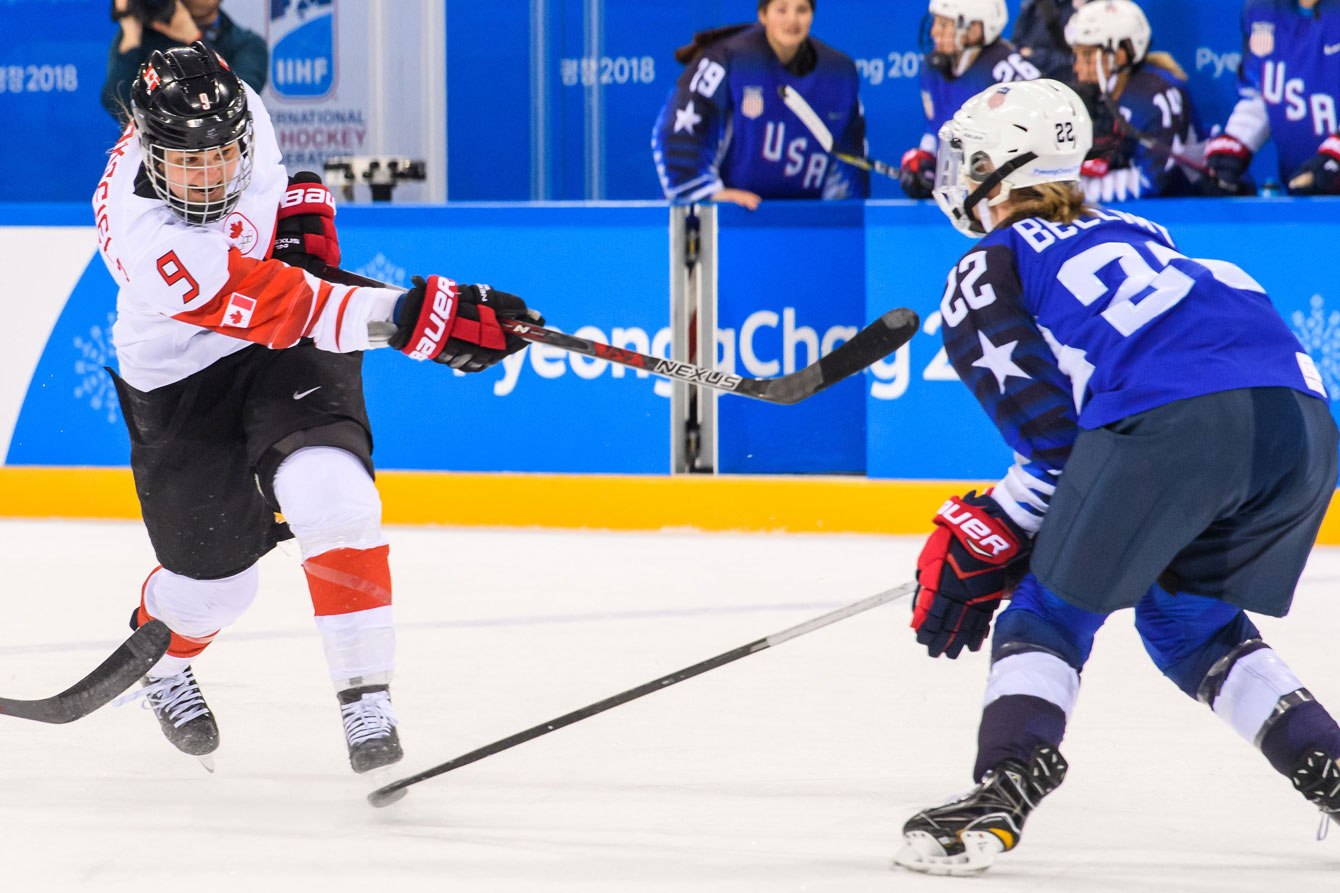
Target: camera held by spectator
(146, 11)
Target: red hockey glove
(917, 173)
(963, 572)
(306, 224)
(1227, 158)
(458, 324)
(1321, 174)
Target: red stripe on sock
(178, 645)
(343, 581)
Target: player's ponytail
(1166, 62)
(1062, 202)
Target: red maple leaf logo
(235, 231)
(236, 318)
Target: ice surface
(790, 770)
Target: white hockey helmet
(1109, 25)
(991, 13)
(1012, 135)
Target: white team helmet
(1108, 24)
(991, 13)
(1012, 135)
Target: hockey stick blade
(388, 794)
(130, 661)
(792, 99)
(876, 341)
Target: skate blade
(207, 760)
(380, 778)
(923, 854)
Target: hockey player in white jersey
(241, 385)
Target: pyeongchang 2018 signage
(302, 48)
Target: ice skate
(1317, 777)
(964, 836)
(184, 716)
(370, 727)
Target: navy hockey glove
(306, 224)
(917, 173)
(1321, 174)
(458, 324)
(1228, 159)
(974, 555)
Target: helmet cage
(197, 183)
(961, 183)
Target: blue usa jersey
(1290, 79)
(1154, 103)
(1057, 328)
(725, 124)
(943, 96)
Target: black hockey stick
(873, 343)
(388, 794)
(816, 126)
(130, 661)
(876, 341)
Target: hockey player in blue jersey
(1175, 455)
(1143, 119)
(968, 54)
(1289, 85)
(725, 133)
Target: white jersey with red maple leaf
(191, 295)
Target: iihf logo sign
(302, 48)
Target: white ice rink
(789, 770)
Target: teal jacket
(245, 51)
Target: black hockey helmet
(187, 100)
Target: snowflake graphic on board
(383, 270)
(95, 385)
(1319, 332)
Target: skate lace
(370, 717)
(177, 698)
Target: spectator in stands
(155, 25)
(968, 55)
(726, 135)
(1143, 121)
(1299, 41)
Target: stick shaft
(386, 793)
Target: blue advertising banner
(795, 279)
(597, 272)
(53, 61)
(791, 286)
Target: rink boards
(794, 279)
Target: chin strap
(994, 179)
